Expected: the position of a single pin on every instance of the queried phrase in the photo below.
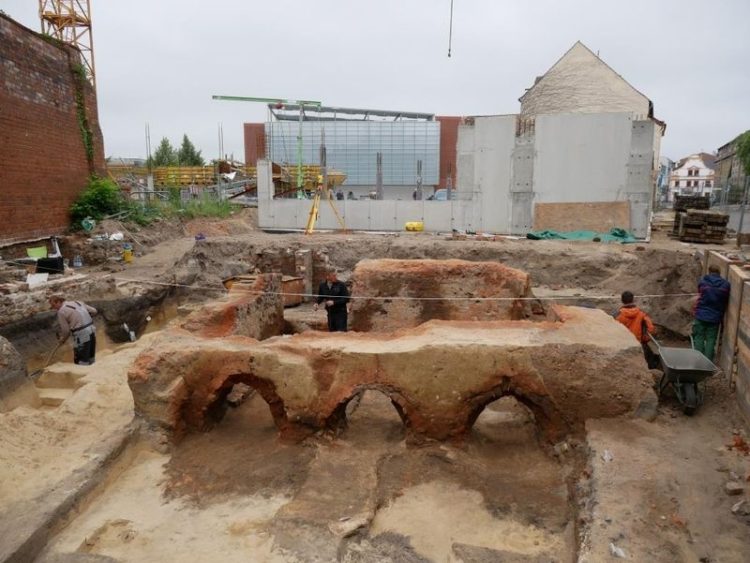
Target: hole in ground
(240, 455)
(372, 417)
(505, 420)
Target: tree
(187, 155)
(165, 155)
(743, 151)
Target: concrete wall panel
(494, 143)
(581, 157)
(409, 211)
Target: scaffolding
(69, 21)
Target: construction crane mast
(69, 21)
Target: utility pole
(419, 179)
(379, 175)
(324, 160)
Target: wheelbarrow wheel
(691, 399)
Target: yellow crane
(69, 21)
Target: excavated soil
(363, 496)
(653, 489)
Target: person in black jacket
(335, 296)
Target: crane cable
(450, 32)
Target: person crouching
(74, 318)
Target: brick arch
(210, 407)
(336, 420)
(551, 424)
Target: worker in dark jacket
(713, 296)
(334, 295)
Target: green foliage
(173, 208)
(188, 155)
(743, 150)
(79, 78)
(101, 197)
(165, 155)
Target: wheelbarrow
(684, 370)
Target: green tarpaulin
(614, 235)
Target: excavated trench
(359, 494)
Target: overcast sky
(159, 62)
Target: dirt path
(659, 491)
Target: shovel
(49, 359)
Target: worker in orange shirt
(639, 323)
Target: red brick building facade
(50, 140)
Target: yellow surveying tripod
(321, 191)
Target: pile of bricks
(698, 225)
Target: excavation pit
(366, 484)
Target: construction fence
(734, 353)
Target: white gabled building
(693, 175)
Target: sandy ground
(41, 445)
(659, 492)
(236, 494)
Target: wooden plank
(586, 216)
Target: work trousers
(84, 353)
(337, 320)
(652, 359)
(704, 337)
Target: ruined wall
(44, 161)
(440, 375)
(12, 371)
(257, 313)
(407, 293)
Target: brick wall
(448, 141)
(255, 142)
(43, 160)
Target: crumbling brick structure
(440, 375)
(50, 140)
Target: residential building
(693, 175)
(666, 165)
(730, 174)
(581, 82)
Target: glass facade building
(352, 146)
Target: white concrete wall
(569, 158)
(494, 140)
(581, 157)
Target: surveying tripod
(321, 191)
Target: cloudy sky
(159, 62)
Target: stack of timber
(684, 202)
(698, 225)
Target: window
(708, 183)
(676, 183)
